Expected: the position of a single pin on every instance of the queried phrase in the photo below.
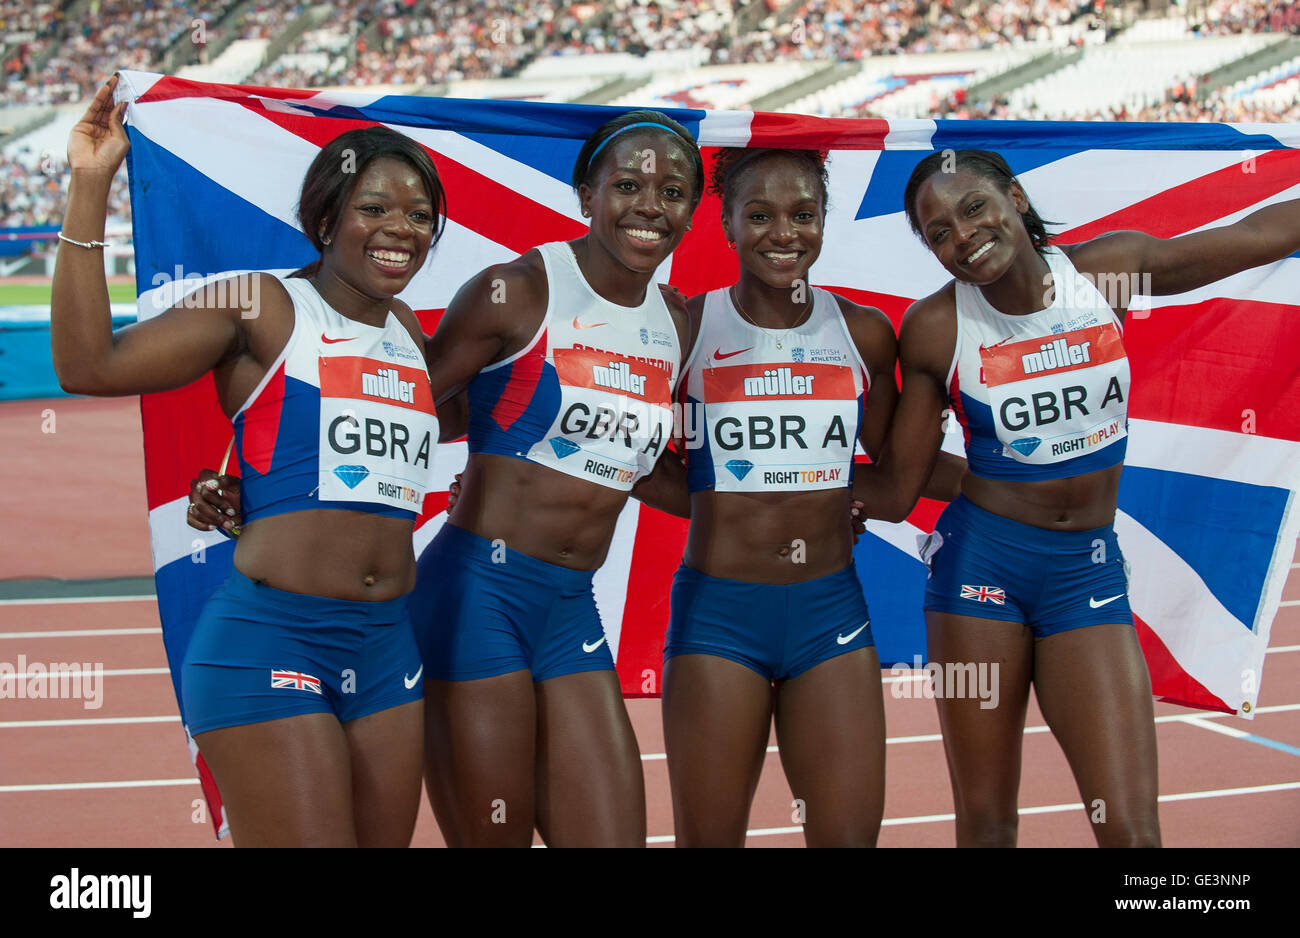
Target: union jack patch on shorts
(295, 679)
(985, 594)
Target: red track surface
(88, 476)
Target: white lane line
(1290, 602)
(112, 672)
(1037, 809)
(87, 721)
(936, 737)
(1276, 648)
(58, 600)
(82, 786)
(80, 633)
(1216, 727)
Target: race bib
(1058, 397)
(377, 432)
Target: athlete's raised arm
(1176, 265)
(171, 349)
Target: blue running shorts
(259, 653)
(988, 566)
(780, 631)
(480, 609)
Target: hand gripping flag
(1207, 514)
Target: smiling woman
(1027, 577)
(570, 409)
(303, 754)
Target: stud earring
(586, 212)
(325, 240)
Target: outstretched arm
(1176, 265)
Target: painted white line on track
(1290, 602)
(1216, 727)
(87, 721)
(60, 600)
(82, 786)
(110, 672)
(81, 633)
(1276, 648)
(1037, 809)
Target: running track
(74, 508)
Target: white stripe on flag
(610, 583)
(1169, 596)
(235, 147)
(725, 128)
(1083, 187)
(1217, 454)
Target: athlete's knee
(1141, 831)
(987, 826)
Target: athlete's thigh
(717, 719)
(387, 750)
(982, 735)
(830, 724)
(284, 783)
(479, 758)
(590, 788)
(1095, 693)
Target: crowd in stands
(1238, 16)
(68, 55)
(34, 188)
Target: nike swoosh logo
(718, 354)
(590, 647)
(412, 681)
(328, 341)
(845, 639)
(590, 325)
(1097, 605)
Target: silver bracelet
(84, 244)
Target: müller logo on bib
(1083, 348)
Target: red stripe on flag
(1218, 364)
(768, 129)
(703, 261)
(660, 540)
(926, 514)
(208, 784)
(205, 434)
(1169, 681)
(515, 221)
(169, 87)
(1200, 201)
(892, 306)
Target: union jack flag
(1207, 513)
(295, 679)
(985, 594)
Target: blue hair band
(592, 158)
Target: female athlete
(1026, 574)
(297, 681)
(781, 381)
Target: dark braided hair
(732, 163)
(983, 163)
(583, 167)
